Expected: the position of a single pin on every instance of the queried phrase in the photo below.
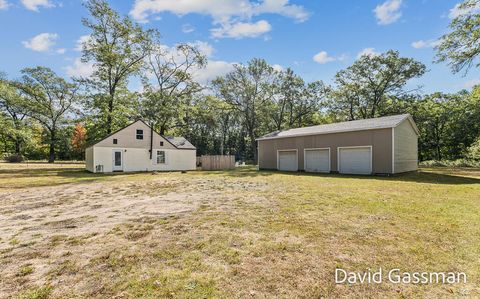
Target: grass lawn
(244, 233)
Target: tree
(363, 88)
(448, 124)
(461, 46)
(117, 47)
(15, 117)
(48, 99)
(248, 88)
(295, 101)
(473, 151)
(79, 139)
(168, 83)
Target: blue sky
(314, 38)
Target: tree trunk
(17, 146)
(109, 116)
(51, 156)
(439, 155)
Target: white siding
(89, 159)
(405, 148)
(127, 138)
(103, 156)
(138, 159)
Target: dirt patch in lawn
(48, 234)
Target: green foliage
(36, 293)
(117, 47)
(450, 163)
(12, 117)
(265, 100)
(473, 151)
(15, 158)
(364, 88)
(167, 95)
(47, 98)
(461, 47)
(448, 123)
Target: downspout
(151, 142)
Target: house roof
(348, 126)
(181, 142)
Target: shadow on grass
(430, 177)
(42, 172)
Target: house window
(115, 141)
(140, 134)
(160, 157)
(161, 143)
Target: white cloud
(388, 12)
(240, 30)
(421, 44)
(232, 18)
(187, 28)
(204, 48)
(323, 57)
(282, 7)
(457, 11)
(42, 42)
(61, 50)
(81, 41)
(278, 67)
(35, 4)
(472, 83)
(4, 5)
(213, 69)
(367, 52)
(80, 69)
(219, 10)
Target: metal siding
(381, 141)
(406, 148)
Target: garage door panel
(287, 161)
(317, 160)
(356, 160)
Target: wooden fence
(218, 162)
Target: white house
(137, 147)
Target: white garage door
(317, 160)
(356, 160)
(287, 161)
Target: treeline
(44, 116)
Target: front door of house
(117, 160)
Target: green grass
(22, 175)
(272, 234)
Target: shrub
(450, 163)
(14, 158)
(473, 152)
